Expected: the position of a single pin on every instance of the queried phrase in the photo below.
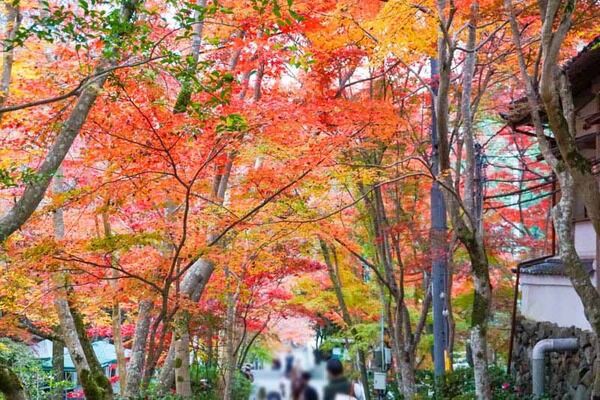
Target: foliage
(459, 385)
(241, 134)
(38, 384)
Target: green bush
(460, 385)
(206, 384)
(38, 384)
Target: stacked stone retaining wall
(568, 375)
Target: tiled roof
(581, 69)
(553, 266)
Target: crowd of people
(296, 384)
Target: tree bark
(135, 367)
(230, 359)
(12, 24)
(183, 385)
(96, 385)
(116, 315)
(58, 366)
(193, 285)
(118, 342)
(339, 294)
(185, 93)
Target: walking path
(274, 380)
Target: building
(105, 352)
(546, 293)
(549, 307)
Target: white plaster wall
(551, 298)
(585, 239)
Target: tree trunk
(192, 285)
(58, 366)
(10, 385)
(230, 358)
(96, 385)
(119, 348)
(345, 313)
(183, 385)
(135, 366)
(12, 23)
(167, 372)
(116, 315)
(468, 228)
(185, 93)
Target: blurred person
(276, 364)
(340, 387)
(247, 372)
(273, 396)
(289, 363)
(262, 394)
(308, 392)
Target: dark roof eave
(581, 69)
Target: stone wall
(568, 375)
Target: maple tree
(187, 172)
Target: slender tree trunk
(404, 356)
(185, 94)
(467, 227)
(210, 352)
(193, 285)
(451, 320)
(479, 321)
(230, 327)
(467, 116)
(58, 366)
(13, 21)
(135, 367)
(116, 316)
(345, 313)
(118, 342)
(183, 385)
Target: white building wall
(551, 298)
(585, 239)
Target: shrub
(459, 385)
(38, 384)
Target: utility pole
(439, 268)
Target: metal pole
(438, 245)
